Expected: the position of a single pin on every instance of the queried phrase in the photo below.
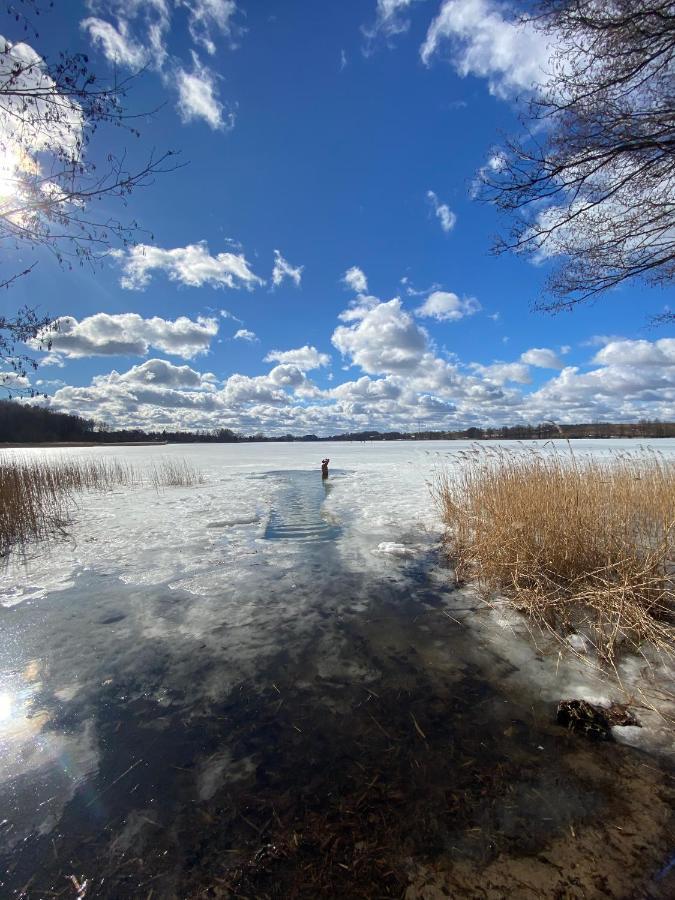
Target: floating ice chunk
(578, 642)
(505, 615)
(632, 735)
(235, 520)
(391, 548)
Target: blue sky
(319, 264)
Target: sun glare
(8, 173)
(5, 707)
(14, 164)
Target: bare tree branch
(53, 173)
(594, 191)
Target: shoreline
(47, 444)
(15, 445)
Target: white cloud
(243, 334)
(128, 334)
(139, 37)
(11, 381)
(355, 279)
(632, 382)
(159, 373)
(660, 353)
(283, 269)
(444, 214)
(305, 358)
(599, 340)
(617, 391)
(226, 314)
(209, 17)
(140, 28)
(445, 306)
(390, 20)
(385, 339)
(52, 359)
(197, 96)
(34, 140)
(541, 357)
(500, 373)
(513, 56)
(116, 43)
(192, 265)
(366, 388)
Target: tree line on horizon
(21, 423)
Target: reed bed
(175, 473)
(580, 544)
(36, 495)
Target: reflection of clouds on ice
(200, 538)
(391, 548)
(34, 751)
(173, 597)
(219, 769)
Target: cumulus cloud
(242, 389)
(541, 357)
(626, 385)
(355, 279)
(486, 42)
(243, 334)
(445, 306)
(128, 334)
(283, 269)
(385, 339)
(400, 379)
(501, 373)
(365, 388)
(160, 373)
(305, 358)
(650, 354)
(443, 213)
(192, 265)
(632, 380)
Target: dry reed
(580, 544)
(175, 473)
(36, 495)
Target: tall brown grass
(579, 543)
(36, 495)
(175, 473)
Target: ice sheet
(175, 596)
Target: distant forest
(24, 424)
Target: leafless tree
(592, 182)
(52, 173)
(16, 331)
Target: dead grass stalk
(581, 544)
(36, 494)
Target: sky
(319, 263)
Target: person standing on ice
(324, 468)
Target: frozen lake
(223, 686)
